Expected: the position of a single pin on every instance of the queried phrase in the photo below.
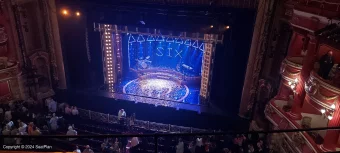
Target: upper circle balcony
(291, 69)
(321, 92)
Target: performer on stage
(326, 63)
(143, 63)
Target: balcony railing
(328, 8)
(153, 126)
(281, 120)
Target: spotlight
(330, 117)
(65, 12)
(227, 27)
(323, 111)
(212, 26)
(77, 13)
(333, 106)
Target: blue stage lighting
(150, 38)
(140, 38)
(169, 39)
(202, 47)
(131, 39)
(195, 44)
(187, 42)
(160, 38)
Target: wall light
(77, 13)
(65, 12)
(328, 113)
(330, 117)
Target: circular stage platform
(159, 87)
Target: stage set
(157, 66)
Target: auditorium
(164, 76)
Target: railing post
(148, 125)
(108, 118)
(169, 128)
(90, 114)
(156, 143)
(190, 129)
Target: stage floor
(164, 91)
(154, 110)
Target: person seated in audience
(1, 112)
(192, 147)
(22, 126)
(75, 111)
(132, 120)
(134, 142)
(21, 131)
(120, 112)
(47, 103)
(30, 128)
(77, 150)
(6, 131)
(61, 107)
(54, 122)
(52, 106)
(45, 130)
(36, 131)
(88, 149)
(14, 131)
(121, 116)
(10, 124)
(8, 115)
(11, 105)
(199, 146)
(70, 132)
(24, 109)
(326, 63)
(180, 146)
(68, 110)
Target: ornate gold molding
(293, 64)
(327, 97)
(320, 103)
(324, 84)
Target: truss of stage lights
(157, 35)
(161, 38)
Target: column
(283, 92)
(331, 137)
(292, 40)
(250, 79)
(57, 44)
(307, 67)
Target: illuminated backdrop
(181, 55)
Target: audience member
(54, 122)
(8, 115)
(30, 128)
(7, 131)
(75, 111)
(134, 142)
(52, 106)
(36, 131)
(71, 132)
(68, 110)
(88, 149)
(61, 107)
(326, 63)
(180, 146)
(77, 150)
